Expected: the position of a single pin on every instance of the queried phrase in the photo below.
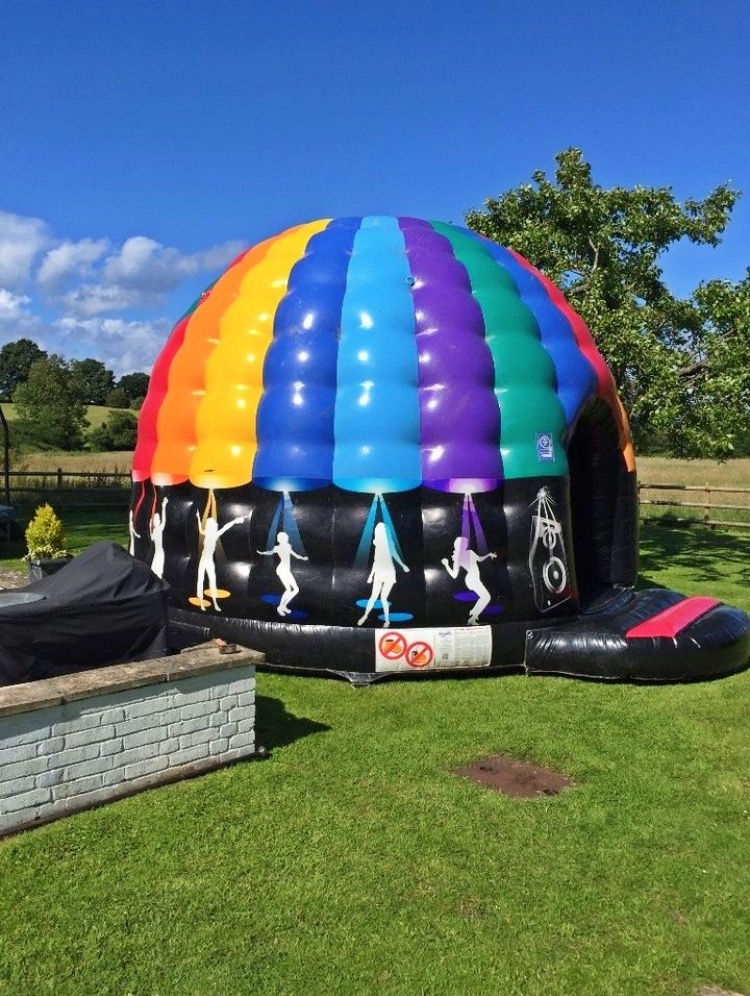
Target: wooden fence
(731, 505)
(64, 488)
(711, 506)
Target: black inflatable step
(653, 635)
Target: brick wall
(73, 742)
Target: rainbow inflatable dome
(381, 446)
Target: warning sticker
(419, 654)
(392, 646)
(428, 649)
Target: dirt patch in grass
(520, 779)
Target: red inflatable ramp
(673, 620)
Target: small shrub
(45, 535)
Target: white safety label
(428, 649)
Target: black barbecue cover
(103, 608)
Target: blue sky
(143, 144)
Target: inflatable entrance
(381, 446)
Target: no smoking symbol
(419, 654)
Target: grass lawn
(355, 862)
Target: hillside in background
(96, 414)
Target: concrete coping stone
(202, 659)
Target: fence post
(6, 457)
(59, 478)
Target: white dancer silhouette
(133, 534)
(156, 532)
(383, 574)
(466, 559)
(284, 552)
(207, 565)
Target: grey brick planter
(74, 742)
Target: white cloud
(70, 259)
(140, 274)
(17, 320)
(21, 241)
(216, 258)
(12, 305)
(122, 346)
(145, 265)
(96, 299)
(91, 297)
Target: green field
(114, 462)
(355, 862)
(96, 414)
(658, 470)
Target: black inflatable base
(655, 635)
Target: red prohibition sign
(419, 654)
(392, 646)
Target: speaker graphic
(547, 558)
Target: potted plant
(45, 540)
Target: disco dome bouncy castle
(384, 446)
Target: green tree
(135, 385)
(117, 432)
(50, 414)
(91, 381)
(16, 359)
(603, 248)
(116, 398)
(718, 367)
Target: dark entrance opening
(604, 506)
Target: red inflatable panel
(673, 620)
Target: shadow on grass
(645, 581)
(709, 554)
(275, 727)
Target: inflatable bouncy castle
(382, 446)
